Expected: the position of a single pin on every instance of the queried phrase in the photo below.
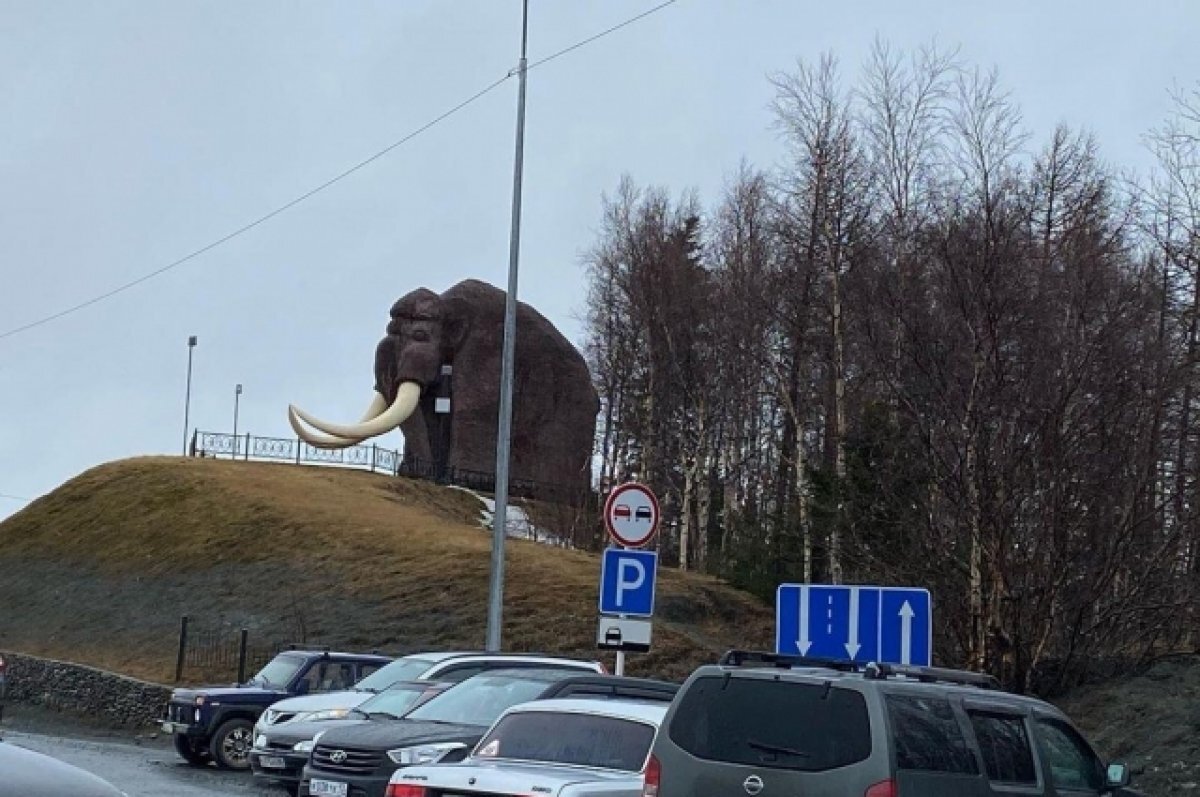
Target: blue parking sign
(627, 582)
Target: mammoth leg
(417, 453)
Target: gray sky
(134, 133)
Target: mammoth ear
(456, 322)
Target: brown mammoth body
(448, 346)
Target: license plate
(328, 788)
(273, 762)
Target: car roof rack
(881, 670)
(750, 658)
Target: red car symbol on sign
(621, 510)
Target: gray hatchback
(777, 726)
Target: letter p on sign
(627, 582)
(631, 574)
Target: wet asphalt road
(148, 768)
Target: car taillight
(884, 788)
(404, 790)
(652, 778)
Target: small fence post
(242, 656)
(373, 447)
(299, 445)
(247, 456)
(183, 624)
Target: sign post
(627, 575)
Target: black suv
(773, 724)
(216, 723)
(358, 760)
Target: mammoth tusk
(377, 406)
(406, 401)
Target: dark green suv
(776, 726)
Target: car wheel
(189, 753)
(230, 745)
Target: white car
(444, 667)
(569, 747)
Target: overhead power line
(16, 498)
(328, 183)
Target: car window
(393, 702)
(478, 701)
(366, 668)
(335, 676)
(278, 672)
(408, 668)
(1004, 745)
(770, 723)
(460, 672)
(564, 738)
(1072, 763)
(926, 735)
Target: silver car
(569, 747)
(26, 773)
(447, 667)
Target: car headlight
(328, 714)
(260, 742)
(304, 747)
(423, 754)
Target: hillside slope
(101, 569)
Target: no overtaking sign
(631, 515)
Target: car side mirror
(1118, 776)
(302, 688)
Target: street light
(504, 430)
(237, 394)
(187, 401)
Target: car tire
(230, 745)
(189, 753)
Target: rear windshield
(582, 740)
(768, 723)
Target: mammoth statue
(434, 341)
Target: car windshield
(408, 668)
(393, 702)
(584, 740)
(479, 700)
(278, 672)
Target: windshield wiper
(774, 748)
(374, 714)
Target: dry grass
(106, 564)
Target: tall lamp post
(504, 430)
(237, 394)
(187, 400)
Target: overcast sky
(134, 133)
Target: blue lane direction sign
(627, 582)
(855, 623)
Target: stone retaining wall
(101, 696)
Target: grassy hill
(100, 570)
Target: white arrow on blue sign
(855, 623)
(627, 582)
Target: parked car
(772, 724)
(216, 723)
(281, 751)
(573, 747)
(439, 666)
(26, 773)
(358, 760)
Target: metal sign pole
(504, 432)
